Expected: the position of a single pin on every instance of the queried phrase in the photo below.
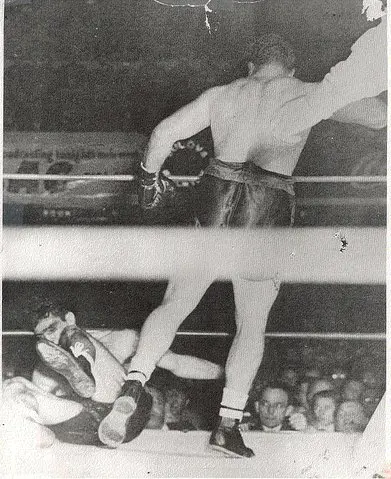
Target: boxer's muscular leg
(253, 301)
(158, 332)
(190, 367)
(122, 344)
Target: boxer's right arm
(184, 123)
(369, 112)
(363, 74)
(156, 190)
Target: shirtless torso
(241, 114)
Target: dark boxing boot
(128, 417)
(228, 439)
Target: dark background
(121, 66)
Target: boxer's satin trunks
(244, 195)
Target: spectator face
(176, 402)
(324, 409)
(273, 407)
(52, 326)
(370, 379)
(350, 417)
(311, 374)
(338, 377)
(156, 420)
(370, 399)
(289, 377)
(317, 386)
(352, 390)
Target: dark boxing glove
(155, 190)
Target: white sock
(232, 404)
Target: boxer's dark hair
(269, 48)
(43, 308)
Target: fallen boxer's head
(50, 320)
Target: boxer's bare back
(240, 118)
(239, 115)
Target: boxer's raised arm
(185, 122)
(362, 75)
(369, 112)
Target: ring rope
(190, 179)
(286, 335)
(299, 255)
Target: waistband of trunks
(249, 173)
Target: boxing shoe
(228, 439)
(129, 416)
(59, 360)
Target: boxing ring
(179, 454)
(306, 255)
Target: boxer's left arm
(184, 123)
(369, 112)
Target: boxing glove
(155, 190)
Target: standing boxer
(247, 185)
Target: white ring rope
(190, 179)
(300, 255)
(285, 335)
(119, 253)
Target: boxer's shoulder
(289, 88)
(233, 86)
(285, 83)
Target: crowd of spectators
(292, 397)
(295, 399)
(313, 400)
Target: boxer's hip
(244, 195)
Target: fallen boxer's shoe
(56, 358)
(229, 441)
(128, 417)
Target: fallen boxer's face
(50, 328)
